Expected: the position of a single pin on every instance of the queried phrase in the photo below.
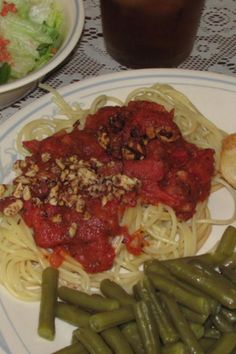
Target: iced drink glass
(150, 33)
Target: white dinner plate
(213, 94)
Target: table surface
(214, 50)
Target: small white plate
(213, 94)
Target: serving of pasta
(164, 233)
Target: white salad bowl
(73, 11)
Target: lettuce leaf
(34, 32)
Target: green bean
(229, 273)
(87, 302)
(185, 332)
(196, 303)
(104, 320)
(174, 348)
(229, 262)
(207, 343)
(5, 72)
(117, 341)
(72, 314)
(222, 324)
(227, 244)
(130, 331)
(225, 344)
(145, 290)
(74, 338)
(207, 258)
(92, 341)
(159, 267)
(156, 266)
(197, 329)
(113, 290)
(75, 348)
(212, 333)
(208, 323)
(193, 316)
(213, 285)
(147, 327)
(46, 322)
(230, 315)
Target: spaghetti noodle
(22, 262)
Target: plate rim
(132, 74)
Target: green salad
(30, 34)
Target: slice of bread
(228, 159)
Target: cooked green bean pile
(180, 306)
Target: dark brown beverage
(150, 33)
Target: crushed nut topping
(67, 182)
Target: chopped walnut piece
(33, 170)
(13, 208)
(125, 182)
(73, 229)
(57, 219)
(80, 204)
(138, 148)
(18, 192)
(86, 215)
(22, 179)
(2, 189)
(106, 198)
(26, 193)
(53, 201)
(127, 153)
(18, 166)
(64, 174)
(36, 201)
(45, 157)
(60, 164)
(73, 159)
(103, 138)
(96, 163)
(54, 191)
(150, 132)
(68, 200)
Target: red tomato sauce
(5, 56)
(83, 181)
(7, 7)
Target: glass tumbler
(150, 33)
